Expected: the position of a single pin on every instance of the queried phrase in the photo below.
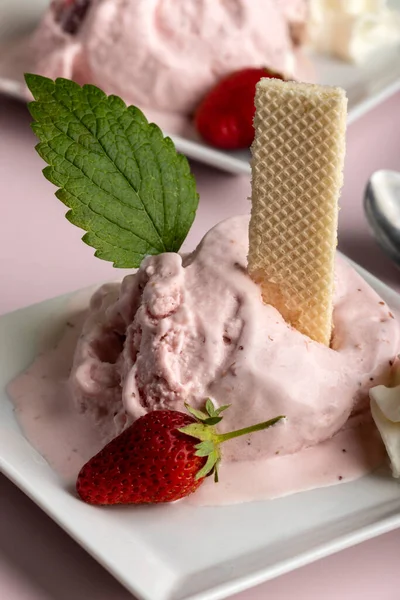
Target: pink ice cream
(164, 55)
(185, 328)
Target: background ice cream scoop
(164, 54)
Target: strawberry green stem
(223, 437)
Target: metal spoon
(382, 208)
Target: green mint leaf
(123, 182)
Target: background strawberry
(159, 458)
(224, 118)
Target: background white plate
(366, 85)
(178, 552)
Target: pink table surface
(41, 256)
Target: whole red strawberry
(224, 118)
(158, 459)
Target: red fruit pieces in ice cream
(70, 14)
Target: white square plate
(366, 85)
(177, 552)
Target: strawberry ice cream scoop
(163, 54)
(185, 328)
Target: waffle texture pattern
(297, 173)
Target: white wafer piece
(298, 154)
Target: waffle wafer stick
(298, 154)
